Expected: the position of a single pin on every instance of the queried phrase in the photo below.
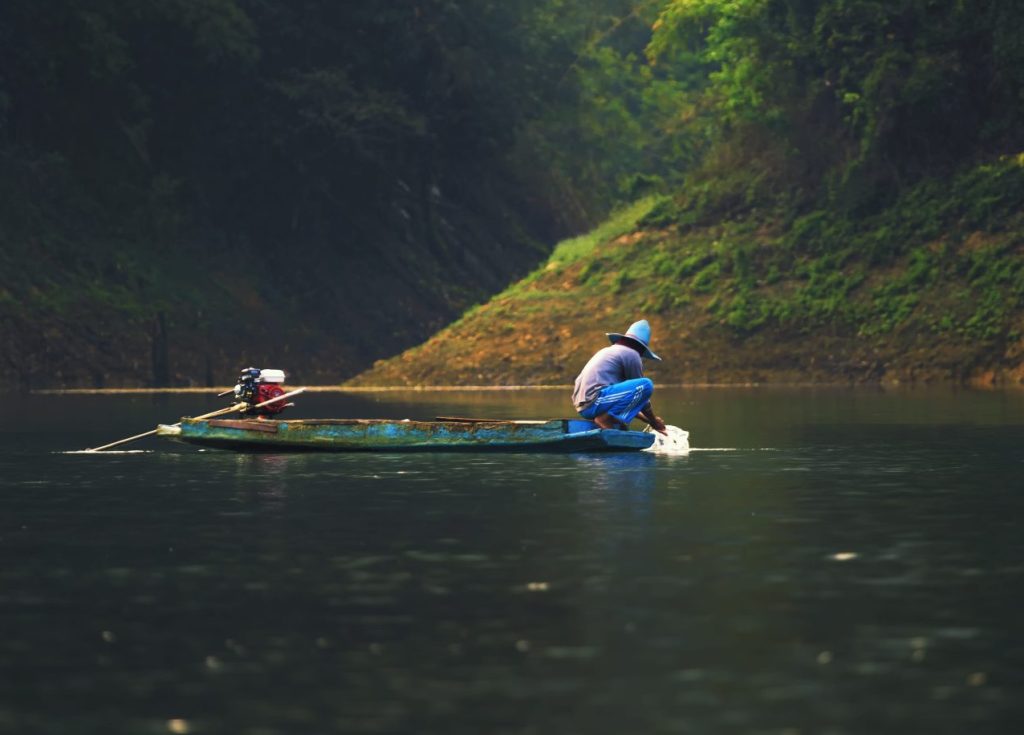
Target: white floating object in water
(844, 556)
(676, 442)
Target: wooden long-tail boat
(445, 434)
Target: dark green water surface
(826, 561)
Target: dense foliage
(167, 156)
(840, 198)
(290, 120)
(263, 117)
(842, 101)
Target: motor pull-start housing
(268, 375)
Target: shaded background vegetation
(189, 185)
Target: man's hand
(648, 415)
(658, 425)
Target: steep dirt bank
(504, 343)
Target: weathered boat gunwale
(384, 435)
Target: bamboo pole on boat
(220, 412)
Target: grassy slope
(930, 289)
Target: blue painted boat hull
(381, 435)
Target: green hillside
(839, 195)
(823, 190)
(930, 288)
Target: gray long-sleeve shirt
(611, 365)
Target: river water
(824, 561)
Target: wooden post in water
(161, 364)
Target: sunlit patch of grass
(622, 222)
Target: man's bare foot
(607, 422)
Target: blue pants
(622, 401)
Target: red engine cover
(266, 391)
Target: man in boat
(612, 390)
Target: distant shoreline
(507, 388)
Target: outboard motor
(256, 386)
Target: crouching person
(611, 389)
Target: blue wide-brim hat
(638, 332)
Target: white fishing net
(677, 441)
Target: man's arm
(648, 415)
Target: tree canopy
(856, 96)
(440, 146)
